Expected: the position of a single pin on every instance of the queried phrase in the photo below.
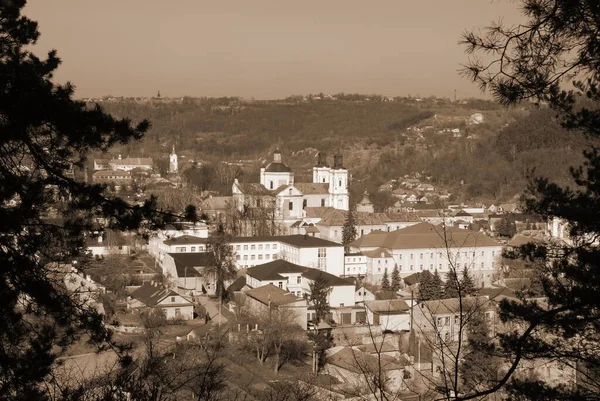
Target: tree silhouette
(451, 285)
(467, 284)
(437, 286)
(427, 292)
(349, 229)
(553, 57)
(44, 134)
(385, 281)
(223, 267)
(396, 279)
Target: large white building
(428, 247)
(302, 250)
(289, 199)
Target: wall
(342, 296)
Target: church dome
(276, 167)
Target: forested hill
(376, 135)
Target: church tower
(173, 167)
(337, 178)
(276, 173)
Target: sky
(263, 49)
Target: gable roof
(216, 203)
(185, 240)
(238, 284)
(388, 306)
(335, 217)
(413, 278)
(378, 253)
(332, 280)
(151, 295)
(252, 188)
(186, 263)
(132, 161)
(273, 295)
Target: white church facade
(289, 199)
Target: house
(355, 265)
(354, 367)
(268, 297)
(181, 244)
(297, 279)
(444, 318)
(428, 247)
(107, 244)
(101, 164)
(379, 261)
(388, 315)
(304, 250)
(187, 271)
(157, 247)
(278, 190)
(86, 289)
(154, 296)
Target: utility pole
(455, 95)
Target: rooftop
(186, 240)
(452, 305)
(151, 295)
(388, 306)
(187, 264)
(271, 295)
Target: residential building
(107, 243)
(388, 315)
(154, 296)
(428, 247)
(181, 244)
(303, 250)
(116, 177)
(355, 265)
(268, 297)
(444, 318)
(156, 246)
(356, 368)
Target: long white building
(428, 247)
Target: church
(277, 188)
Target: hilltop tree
(451, 285)
(467, 284)
(44, 134)
(349, 229)
(555, 46)
(506, 228)
(396, 279)
(223, 267)
(385, 281)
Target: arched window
(270, 184)
(340, 183)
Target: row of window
(254, 247)
(267, 256)
(180, 249)
(440, 266)
(440, 254)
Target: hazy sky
(263, 48)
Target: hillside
(380, 138)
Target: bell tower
(173, 167)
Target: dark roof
(497, 293)
(277, 167)
(335, 217)
(185, 240)
(108, 240)
(388, 306)
(332, 280)
(238, 284)
(187, 263)
(271, 270)
(462, 213)
(412, 279)
(298, 240)
(386, 295)
(151, 295)
(273, 295)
